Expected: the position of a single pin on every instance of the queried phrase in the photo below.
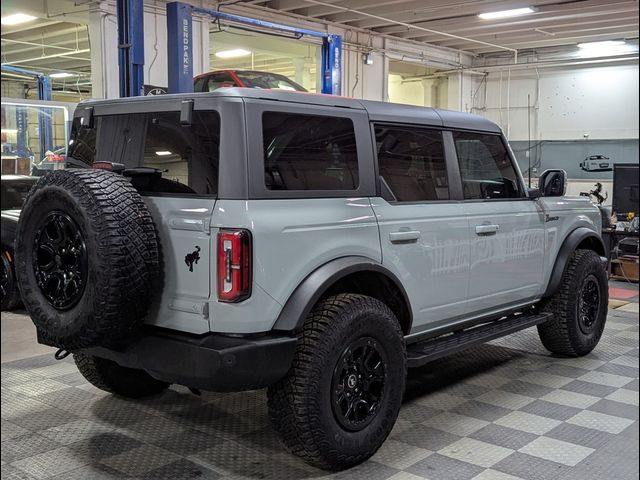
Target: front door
(423, 235)
(506, 229)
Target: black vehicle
(14, 191)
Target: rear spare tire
(87, 258)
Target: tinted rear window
(185, 159)
(309, 152)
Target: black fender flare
(316, 284)
(570, 244)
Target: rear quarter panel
(291, 238)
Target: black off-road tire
(300, 405)
(10, 293)
(121, 259)
(111, 377)
(563, 334)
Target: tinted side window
(485, 167)
(185, 159)
(411, 161)
(309, 152)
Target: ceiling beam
(418, 9)
(615, 30)
(481, 31)
(48, 35)
(290, 5)
(535, 44)
(543, 16)
(323, 10)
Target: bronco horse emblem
(192, 258)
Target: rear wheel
(579, 308)
(341, 398)
(111, 377)
(9, 293)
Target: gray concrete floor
(19, 337)
(507, 410)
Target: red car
(208, 82)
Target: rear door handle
(410, 236)
(487, 229)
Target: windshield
(175, 158)
(268, 80)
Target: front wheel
(579, 307)
(341, 398)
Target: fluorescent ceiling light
(516, 12)
(17, 19)
(236, 52)
(163, 153)
(62, 75)
(9, 130)
(601, 45)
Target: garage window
(184, 159)
(411, 162)
(486, 168)
(309, 152)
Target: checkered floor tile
(503, 411)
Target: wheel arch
(580, 238)
(353, 274)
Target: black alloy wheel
(358, 383)
(60, 261)
(578, 309)
(588, 304)
(4, 279)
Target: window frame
(172, 107)
(514, 164)
(453, 175)
(257, 187)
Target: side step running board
(424, 352)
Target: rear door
(175, 168)
(423, 232)
(506, 229)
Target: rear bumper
(208, 362)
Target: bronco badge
(192, 258)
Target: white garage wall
(411, 93)
(567, 104)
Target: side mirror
(553, 183)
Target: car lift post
(44, 114)
(130, 47)
(180, 53)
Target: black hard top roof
(378, 111)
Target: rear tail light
(110, 166)
(102, 166)
(234, 265)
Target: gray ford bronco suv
(315, 245)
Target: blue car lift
(130, 47)
(180, 41)
(44, 114)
